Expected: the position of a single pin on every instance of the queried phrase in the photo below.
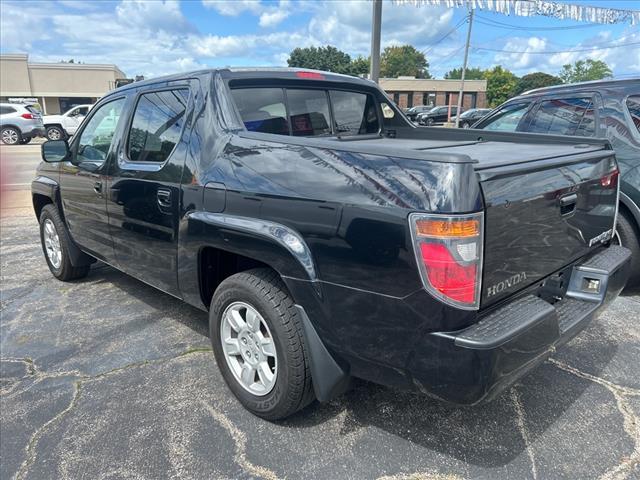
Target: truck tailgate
(543, 211)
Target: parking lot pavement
(107, 378)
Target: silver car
(19, 123)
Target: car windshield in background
(507, 118)
(265, 110)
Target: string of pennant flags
(529, 8)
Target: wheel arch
(632, 210)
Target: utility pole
(376, 26)
(464, 67)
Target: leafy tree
(473, 73)
(501, 84)
(535, 80)
(326, 58)
(584, 70)
(360, 65)
(403, 60)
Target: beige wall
(426, 85)
(18, 77)
(14, 76)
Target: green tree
(403, 60)
(360, 65)
(326, 58)
(501, 84)
(473, 73)
(584, 70)
(535, 80)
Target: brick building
(411, 91)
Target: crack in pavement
(240, 440)
(631, 422)
(522, 428)
(31, 452)
(421, 476)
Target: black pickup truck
(329, 238)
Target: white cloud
(233, 8)
(272, 18)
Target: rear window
(565, 116)
(354, 113)
(306, 112)
(262, 109)
(633, 105)
(309, 112)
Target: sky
(155, 37)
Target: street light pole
(464, 67)
(376, 22)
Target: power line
(558, 51)
(499, 24)
(458, 25)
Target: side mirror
(55, 151)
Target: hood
(52, 118)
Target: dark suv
(605, 108)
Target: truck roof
(607, 83)
(284, 73)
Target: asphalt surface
(107, 378)
(18, 164)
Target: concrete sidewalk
(107, 378)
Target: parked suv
(413, 112)
(471, 116)
(19, 123)
(328, 237)
(605, 108)
(436, 115)
(66, 124)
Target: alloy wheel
(52, 244)
(9, 136)
(249, 348)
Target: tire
(60, 261)
(10, 136)
(628, 237)
(55, 133)
(24, 141)
(466, 125)
(263, 291)
(429, 122)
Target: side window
(507, 118)
(95, 140)
(354, 113)
(633, 105)
(262, 109)
(308, 112)
(157, 125)
(565, 116)
(5, 110)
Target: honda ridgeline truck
(329, 238)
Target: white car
(66, 124)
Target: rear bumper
(34, 132)
(477, 363)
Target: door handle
(97, 187)
(164, 197)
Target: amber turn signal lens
(448, 228)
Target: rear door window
(157, 125)
(507, 118)
(633, 105)
(354, 113)
(565, 116)
(6, 110)
(262, 109)
(309, 112)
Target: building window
(396, 98)
(429, 99)
(410, 100)
(67, 103)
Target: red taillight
(446, 275)
(28, 116)
(449, 253)
(610, 180)
(310, 75)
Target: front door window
(95, 141)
